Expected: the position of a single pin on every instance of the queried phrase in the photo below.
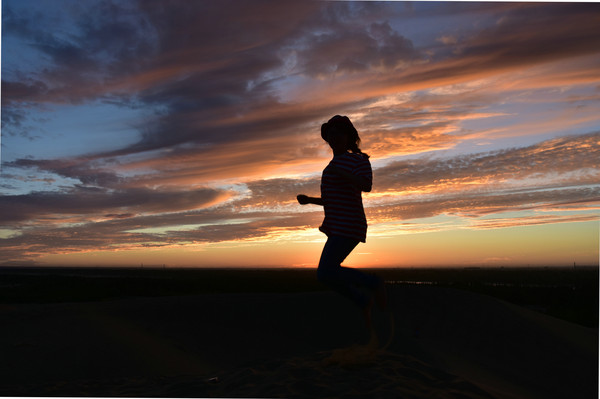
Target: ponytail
(356, 150)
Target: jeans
(347, 281)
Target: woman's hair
(343, 124)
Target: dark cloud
(210, 67)
(274, 192)
(80, 49)
(355, 49)
(217, 71)
(13, 122)
(81, 169)
(200, 63)
(130, 231)
(535, 35)
(23, 91)
(243, 71)
(91, 203)
(522, 37)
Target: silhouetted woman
(343, 180)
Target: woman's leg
(345, 280)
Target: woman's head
(339, 131)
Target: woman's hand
(302, 199)
(305, 199)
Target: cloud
(92, 218)
(82, 46)
(190, 62)
(89, 204)
(476, 205)
(236, 92)
(354, 49)
(546, 161)
(523, 37)
(557, 163)
(496, 223)
(22, 91)
(211, 85)
(122, 232)
(81, 169)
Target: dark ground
(570, 294)
(273, 333)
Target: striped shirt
(342, 201)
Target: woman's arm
(304, 199)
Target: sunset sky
(180, 132)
